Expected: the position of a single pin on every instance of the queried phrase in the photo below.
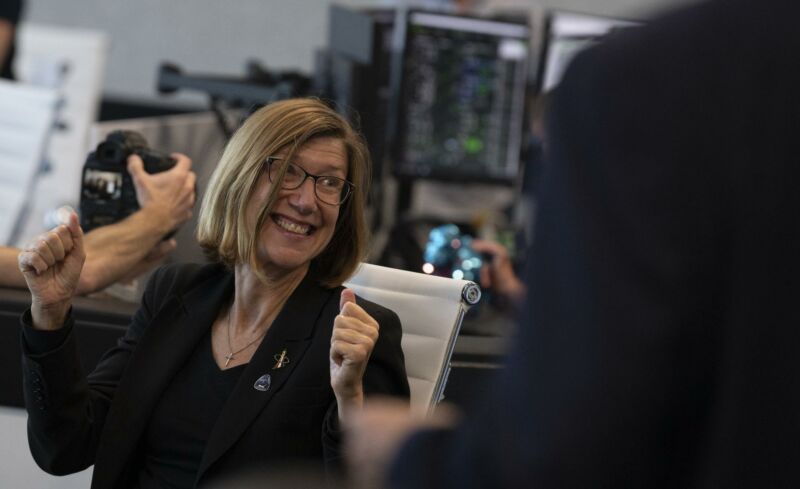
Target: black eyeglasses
(328, 189)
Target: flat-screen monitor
(461, 98)
(567, 34)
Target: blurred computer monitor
(567, 34)
(461, 98)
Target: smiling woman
(300, 224)
(298, 131)
(222, 360)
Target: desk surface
(101, 310)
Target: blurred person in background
(660, 342)
(498, 274)
(130, 247)
(10, 11)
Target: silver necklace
(231, 354)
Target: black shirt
(176, 437)
(10, 11)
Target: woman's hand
(52, 266)
(354, 335)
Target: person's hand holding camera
(499, 274)
(168, 195)
(52, 265)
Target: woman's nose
(304, 196)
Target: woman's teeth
(291, 226)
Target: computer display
(461, 98)
(567, 34)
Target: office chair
(431, 309)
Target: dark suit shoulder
(10, 10)
(387, 357)
(706, 40)
(380, 313)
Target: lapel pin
(281, 360)
(263, 383)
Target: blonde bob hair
(285, 126)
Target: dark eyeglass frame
(347, 188)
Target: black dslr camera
(107, 191)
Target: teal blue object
(450, 254)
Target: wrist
(49, 317)
(517, 291)
(158, 217)
(348, 403)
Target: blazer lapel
(291, 331)
(172, 335)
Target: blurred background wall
(210, 36)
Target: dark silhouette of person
(661, 342)
(10, 11)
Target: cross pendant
(228, 358)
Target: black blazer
(75, 422)
(662, 340)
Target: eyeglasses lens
(331, 190)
